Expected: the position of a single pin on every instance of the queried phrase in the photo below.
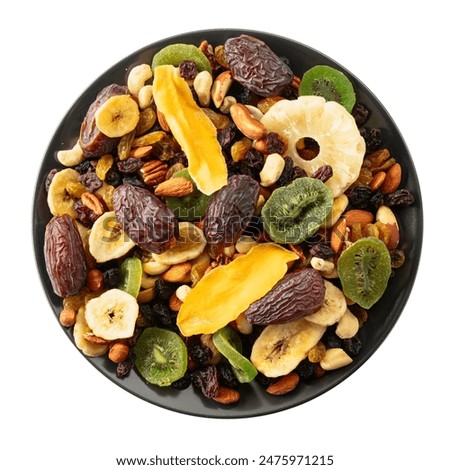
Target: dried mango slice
(228, 290)
(191, 128)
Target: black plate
(383, 316)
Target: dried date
(297, 295)
(231, 210)
(145, 218)
(65, 258)
(93, 142)
(256, 66)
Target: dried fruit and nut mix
(222, 221)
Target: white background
(59, 412)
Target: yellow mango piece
(192, 129)
(228, 290)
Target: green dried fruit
(295, 212)
(161, 356)
(329, 83)
(190, 207)
(174, 54)
(364, 269)
(228, 342)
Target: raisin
(159, 314)
(321, 250)
(256, 66)
(113, 176)
(65, 258)
(275, 144)
(230, 210)
(124, 367)
(352, 346)
(287, 173)
(331, 339)
(323, 173)
(254, 159)
(359, 197)
(264, 380)
(372, 138)
(130, 165)
(91, 180)
(401, 197)
(207, 380)
(83, 167)
(111, 278)
(226, 375)
(376, 200)
(164, 289)
(145, 218)
(360, 113)
(200, 353)
(298, 294)
(242, 94)
(397, 259)
(133, 180)
(188, 69)
(183, 383)
(306, 370)
(86, 216)
(298, 173)
(49, 178)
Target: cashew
(229, 251)
(245, 244)
(147, 281)
(347, 326)
(182, 292)
(246, 123)
(137, 77)
(220, 87)
(259, 204)
(202, 85)
(228, 101)
(321, 265)
(340, 203)
(243, 325)
(272, 169)
(154, 268)
(335, 358)
(145, 96)
(71, 157)
(255, 112)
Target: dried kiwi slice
(331, 84)
(227, 341)
(174, 54)
(295, 212)
(364, 269)
(190, 207)
(161, 356)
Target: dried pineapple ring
(331, 126)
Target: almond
(175, 303)
(177, 272)
(141, 152)
(377, 181)
(174, 187)
(358, 216)
(284, 384)
(226, 395)
(392, 180)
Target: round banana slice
(112, 315)
(190, 244)
(281, 347)
(58, 198)
(79, 331)
(117, 116)
(333, 308)
(331, 126)
(107, 239)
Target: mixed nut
(222, 221)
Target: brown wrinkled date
(93, 142)
(256, 66)
(145, 218)
(297, 295)
(65, 259)
(230, 210)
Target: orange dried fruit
(228, 290)
(186, 119)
